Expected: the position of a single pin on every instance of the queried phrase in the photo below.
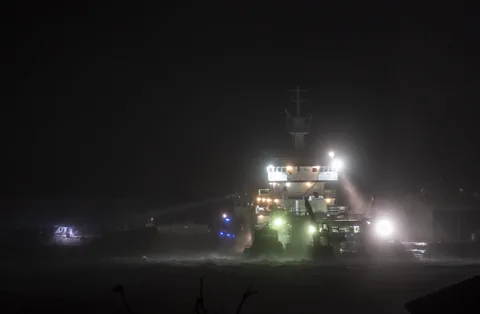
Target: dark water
(166, 283)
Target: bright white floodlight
(278, 222)
(384, 228)
(337, 164)
(331, 154)
(311, 229)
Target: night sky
(135, 100)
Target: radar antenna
(298, 126)
(297, 100)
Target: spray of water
(356, 200)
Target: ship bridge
(277, 174)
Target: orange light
(289, 168)
(309, 183)
(328, 200)
(263, 199)
(276, 201)
(258, 199)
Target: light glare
(384, 228)
(278, 222)
(337, 164)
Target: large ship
(301, 210)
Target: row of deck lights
(276, 200)
(267, 200)
(274, 184)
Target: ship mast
(298, 126)
(297, 100)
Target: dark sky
(143, 101)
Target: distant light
(311, 229)
(331, 154)
(264, 199)
(287, 184)
(328, 200)
(233, 236)
(228, 234)
(289, 168)
(276, 200)
(269, 200)
(224, 215)
(337, 164)
(227, 219)
(260, 216)
(221, 233)
(258, 199)
(308, 184)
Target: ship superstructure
(291, 180)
